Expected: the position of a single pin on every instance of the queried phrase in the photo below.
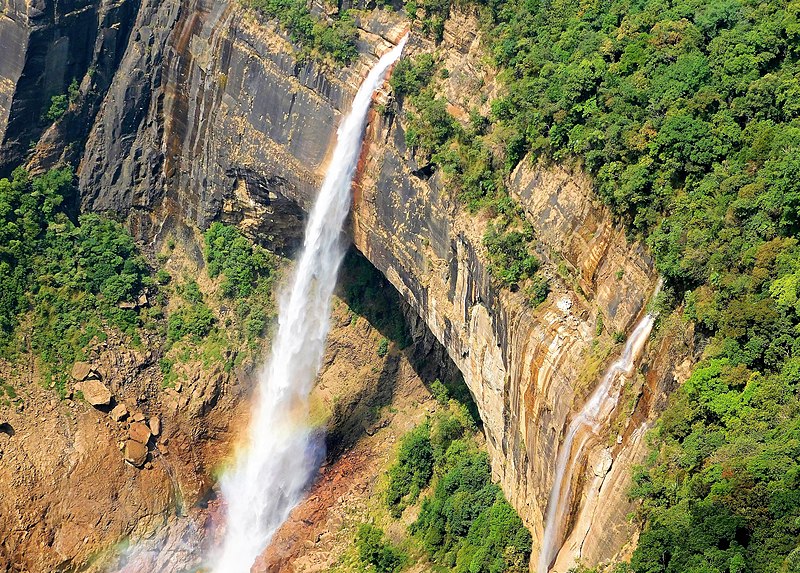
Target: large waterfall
(281, 454)
(583, 427)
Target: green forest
(464, 524)
(65, 277)
(687, 116)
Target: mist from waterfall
(282, 452)
(587, 424)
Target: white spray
(585, 425)
(271, 473)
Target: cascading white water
(585, 425)
(271, 473)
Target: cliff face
(529, 370)
(210, 116)
(221, 127)
(47, 45)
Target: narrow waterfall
(583, 427)
(280, 456)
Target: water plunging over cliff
(269, 477)
(583, 427)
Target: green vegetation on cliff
(686, 114)
(473, 172)
(317, 36)
(67, 284)
(217, 316)
(248, 276)
(465, 525)
(65, 281)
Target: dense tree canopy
(687, 115)
(466, 525)
(68, 279)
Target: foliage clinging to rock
(335, 38)
(68, 278)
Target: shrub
(58, 107)
(411, 75)
(241, 263)
(383, 347)
(432, 127)
(537, 291)
(413, 469)
(439, 392)
(374, 550)
(195, 319)
(510, 260)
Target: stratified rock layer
(45, 47)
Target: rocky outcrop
(47, 46)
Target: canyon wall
(210, 116)
(46, 46)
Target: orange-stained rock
(135, 453)
(139, 432)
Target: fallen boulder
(81, 371)
(155, 425)
(94, 392)
(139, 432)
(119, 412)
(135, 453)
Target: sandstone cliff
(209, 116)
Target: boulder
(155, 425)
(81, 371)
(135, 453)
(139, 432)
(95, 392)
(120, 412)
(602, 464)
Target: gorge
(526, 177)
(216, 151)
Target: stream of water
(282, 453)
(583, 427)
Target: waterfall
(281, 453)
(583, 427)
